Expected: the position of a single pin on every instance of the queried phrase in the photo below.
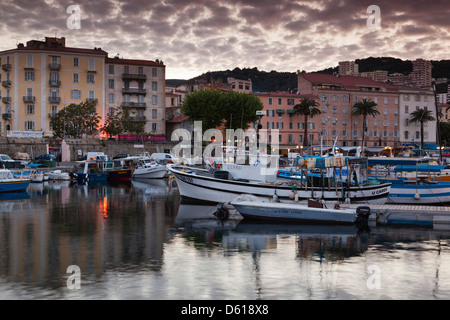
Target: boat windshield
(6, 174)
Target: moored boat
(9, 183)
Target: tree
(308, 108)
(131, 123)
(215, 108)
(364, 108)
(422, 116)
(113, 126)
(75, 120)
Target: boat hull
(14, 186)
(150, 173)
(120, 175)
(421, 194)
(217, 190)
(294, 213)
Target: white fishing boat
(232, 180)
(58, 175)
(9, 183)
(313, 211)
(147, 168)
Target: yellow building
(42, 77)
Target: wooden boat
(8, 183)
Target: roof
(345, 81)
(117, 60)
(178, 119)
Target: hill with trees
(263, 81)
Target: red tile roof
(345, 81)
(178, 119)
(116, 60)
(96, 51)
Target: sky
(193, 37)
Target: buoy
(417, 196)
(292, 195)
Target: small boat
(58, 175)
(9, 183)
(147, 168)
(313, 211)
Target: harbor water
(138, 240)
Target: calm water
(138, 241)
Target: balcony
(54, 99)
(54, 83)
(29, 99)
(51, 115)
(6, 116)
(134, 76)
(54, 66)
(92, 100)
(6, 67)
(6, 83)
(133, 105)
(138, 119)
(6, 99)
(134, 91)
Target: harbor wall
(74, 149)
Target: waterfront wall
(75, 147)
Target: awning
(378, 149)
(430, 146)
(348, 148)
(291, 111)
(281, 111)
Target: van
(164, 158)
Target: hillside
(287, 81)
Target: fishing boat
(232, 180)
(148, 168)
(59, 175)
(9, 183)
(413, 182)
(312, 212)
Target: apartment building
(421, 73)
(279, 114)
(138, 88)
(42, 77)
(410, 101)
(348, 68)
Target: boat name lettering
(379, 191)
(186, 179)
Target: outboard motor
(362, 216)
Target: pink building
(338, 94)
(279, 114)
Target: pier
(436, 216)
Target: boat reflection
(154, 188)
(14, 195)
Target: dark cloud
(201, 35)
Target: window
(417, 134)
(324, 120)
(75, 62)
(29, 75)
(29, 61)
(90, 78)
(154, 126)
(385, 100)
(344, 121)
(91, 64)
(154, 86)
(324, 109)
(406, 109)
(344, 133)
(355, 122)
(280, 101)
(270, 113)
(155, 99)
(279, 125)
(334, 109)
(30, 109)
(395, 123)
(75, 78)
(141, 70)
(290, 102)
(154, 113)
(300, 138)
(291, 125)
(270, 125)
(111, 83)
(111, 69)
(111, 97)
(344, 109)
(270, 101)
(334, 121)
(375, 99)
(396, 100)
(406, 133)
(91, 94)
(375, 122)
(385, 111)
(290, 139)
(126, 69)
(300, 125)
(75, 94)
(406, 122)
(154, 72)
(280, 138)
(29, 125)
(355, 133)
(54, 109)
(111, 111)
(406, 97)
(396, 112)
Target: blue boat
(8, 183)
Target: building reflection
(96, 227)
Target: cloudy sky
(196, 36)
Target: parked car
(46, 156)
(164, 158)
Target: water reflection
(137, 240)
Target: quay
(419, 215)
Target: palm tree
(364, 108)
(308, 108)
(422, 116)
